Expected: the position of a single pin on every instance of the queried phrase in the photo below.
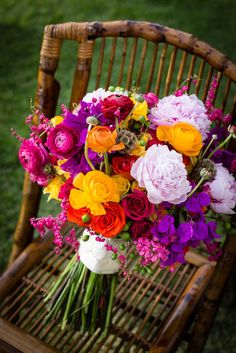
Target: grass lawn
(21, 27)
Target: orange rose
(110, 224)
(101, 139)
(184, 137)
(75, 216)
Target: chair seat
(145, 308)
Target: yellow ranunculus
(57, 120)
(95, 188)
(140, 109)
(123, 184)
(53, 187)
(184, 137)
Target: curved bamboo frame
(151, 31)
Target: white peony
(222, 191)
(163, 174)
(185, 108)
(100, 94)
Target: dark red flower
(122, 165)
(137, 206)
(116, 106)
(141, 229)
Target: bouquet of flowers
(139, 178)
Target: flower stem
(196, 187)
(109, 308)
(220, 146)
(207, 148)
(106, 162)
(86, 150)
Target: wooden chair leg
(210, 304)
(29, 207)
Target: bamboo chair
(150, 314)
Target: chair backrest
(157, 58)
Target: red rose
(154, 140)
(122, 165)
(75, 216)
(115, 105)
(141, 229)
(110, 224)
(137, 206)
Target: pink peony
(163, 174)
(189, 109)
(33, 158)
(222, 191)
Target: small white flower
(185, 108)
(163, 174)
(222, 191)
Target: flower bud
(92, 120)
(132, 256)
(232, 130)
(204, 173)
(227, 226)
(86, 218)
(126, 227)
(142, 143)
(142, 119)
(85, 237)
(125, 236)
(122, 247)
(114, 256)
(139, 98)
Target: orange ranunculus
(110, 224)
(184, 137)
(75, 216)
(101, 139)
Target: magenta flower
(62, 141)
(33, 158)
(150, 251)
(151, 99)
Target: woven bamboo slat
(150, 314)
(140, 311)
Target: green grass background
(21, 28)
